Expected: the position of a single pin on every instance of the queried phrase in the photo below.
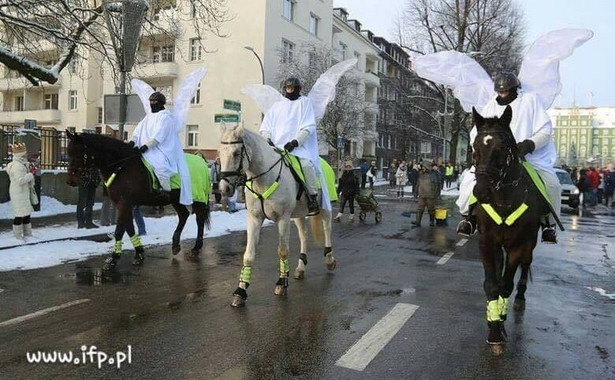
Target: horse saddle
(294, 164)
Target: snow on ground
(159, 231)
(49, 206)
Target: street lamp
(124, 19)
(260, 62)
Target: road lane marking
(1, 290)
(445, 258)
(365, 350)
(39, 313)
(461, 242)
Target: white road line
(39, 313)
(461, 242)
(445, 258)
(370, 344)
(1, 290)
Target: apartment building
(350, 40)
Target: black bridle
(498, 180)
(239, 172)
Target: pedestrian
(428, 189)
(21, 191)
(364, 169)
(583, 184)
(448, 174)
(89, 181)
(437, 173)
(392, 174)
(347, 190)
(371, 175)
(214, 174)
(401, 177)
(414, 176)
(594, 181)
(609, 185)
(139, 220)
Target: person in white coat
(19, 190)
(290, 124)
(157, 139)
(532, 129)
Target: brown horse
(131, 185)
(503, 187)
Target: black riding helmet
(505, 81)
(295, 83)
(157, 101)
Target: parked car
(570, 193)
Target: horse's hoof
(280, 290)
(194, 253)
(176, 249)
(238, 301)
(333, 265)
(497, 349)
(519, 304)
(299, 274)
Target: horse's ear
(506, 116)
(478, 119)
(70, 135)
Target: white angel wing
(471, 84)
(540, 68)
(181, 103)
(323, 90)
(263, 95)
(144, 91)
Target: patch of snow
(49, 206)
(159, 231)
(602, 292)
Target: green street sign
(226, 118)
(232, 105)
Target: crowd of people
(597, 185)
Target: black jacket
(349, 185)
(90, 177)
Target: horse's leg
(134, 238)
(183, 214)
(120, 228)
(526, 261)
(253, 230)
(492, 258)
(281, 287)
(300, 270)
(325, 216)
(199, 209)
(508, 280)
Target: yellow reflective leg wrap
(493, 311)
(136, 240)
(117, 247)
(246, 274)
(284, 267)
(503, 303)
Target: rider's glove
(143, 149)
(525, 147)
(291, 145)
(131, 144)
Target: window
(19, 103)
(72, 100)
(314, 24)
(51, 102)
(343, 46)
(196, 50)
(311, 59)
(99, 119)
(167, 91)
(288, 10)
(287, 51)
(196, 99)
(164, 53)
(357, 55)
(193, 135)
(72, 66)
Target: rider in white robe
(533, 132)
(158, 141)
(291, 125)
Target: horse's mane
(109, 145)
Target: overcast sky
(590, 69)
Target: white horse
(246, 152)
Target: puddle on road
(96, 276)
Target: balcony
(21, 83)
(161, 70)
(371, 79)
(371, 108)
(41, 116)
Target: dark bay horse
(131, 185)
(503, 190)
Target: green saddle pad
(327, 171)
(199, 177)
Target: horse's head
(77, 158)
(495, 151)
(234, 159)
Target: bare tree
(491, 31)
(39, 38)
(344, 116)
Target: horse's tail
(318, 229)
(207, 213)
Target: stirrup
(465, 228)
(549, 235)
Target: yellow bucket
(441, 213)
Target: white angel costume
(287, 120)
(166, 154)
(539, 77)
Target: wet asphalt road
(175, 314)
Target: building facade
(584, 136)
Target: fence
(46, 143)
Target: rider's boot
(338, 217)
(417, 222)
(467, 225)
(549, 234)
(313, 208)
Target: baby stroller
(368, 203)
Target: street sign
(226, 118)
(232, 105)
(340, 143)
(29, 124)
(134, 109)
